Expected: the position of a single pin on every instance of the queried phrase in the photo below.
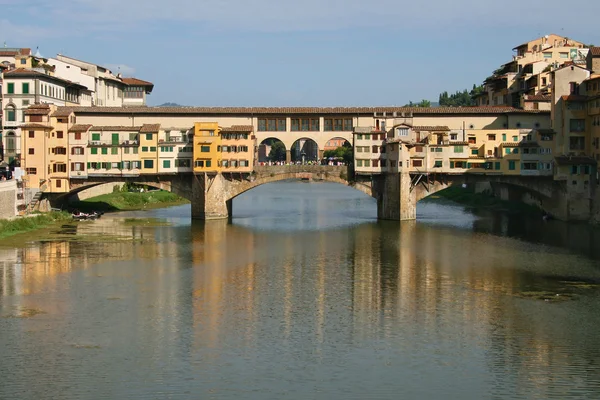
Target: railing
(174, 139)
(130, 142)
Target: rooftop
(27, 73)
(485, 110)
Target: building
(207, 146)
(529, 72)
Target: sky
(294, 53)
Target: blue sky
(294, 53)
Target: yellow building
(148, 146)
(207, 147)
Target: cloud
(123, 69)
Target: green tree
(423, 103)
(277, 152)
(343, 152)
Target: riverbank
(129, 201)
(19, 225)
(483, 201)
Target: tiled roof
(510, 144)
(431, 128)
(42, 109)
(595, 51)
(80, 128)
(13, 52)
(453, 143)
(116, 128)
(573, 97)
(34, 125)
(238, 128)
(571, 160)
(496, 110)
(538, 97)
(27, 73)
(62, 112)
(136, 82)
(150, 128)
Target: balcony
(175, 139)
(111, 143)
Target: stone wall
(8, 199)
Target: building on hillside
(593, 60)
(528, 73)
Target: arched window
(11, 113)
(11, 142)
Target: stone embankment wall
(8, 199)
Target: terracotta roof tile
(136, 82)
(595, 51)
(538, 97)
(34, 125)
(150, 128)
(238, 128)
(62, 112)
(80, 128)
(573, 97)
(42, 109)
(510, 144)
(431, 128)
(302, 110)
(115, 128)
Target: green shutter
(497, 166)
(115, 138)
(89, 165)
(104, 150)
(95, 136)
(10, 88)
(451, 164)
(94, 150)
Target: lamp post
(303, 157)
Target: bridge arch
(265, 147)
(305, 149)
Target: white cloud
(123, 69)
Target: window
(152, 149)
(10, 88)
(515, 138)
(11, 114)
(59, 134)
(359, 163)
(58, 183)
(115, 165)
(577, 143)
(458, 149)
(472, 140)
(304, 124)
(205, 149)
(402, 131)
(144, 149)
(437, 164)
(504, 137)
(511, 165)
(148, 136)
(200, 163)
(104, 150)
(77, 135)
(491, 137)
(25, 88)
(59, 168)
(60, 150)
(77, 151)
(94, 150)
(453, 136)
(183, 163)
(114, 150)
(30, 151)
(148, 164)
(271, 124)
(338, 124)
(166, 163)
(95, 136)
(31, 171)
(417, 163)
(375, 149)
(548, 54)
(31, 134)
(577, 125)
(474, 152)
(497, 166)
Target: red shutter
(72, 166)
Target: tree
(423, 103)
(343, 152)
(460, 99)
(277, 152)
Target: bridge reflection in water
(215, 290)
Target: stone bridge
(397, 194)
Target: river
(304, 295)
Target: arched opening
(11, 113)
(271, 150)
(337, 151)
(304, 151)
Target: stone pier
(395, 201)
(209, 200)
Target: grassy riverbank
(129, 201)
(31, 223)
(483, 201)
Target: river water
(304, 295)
